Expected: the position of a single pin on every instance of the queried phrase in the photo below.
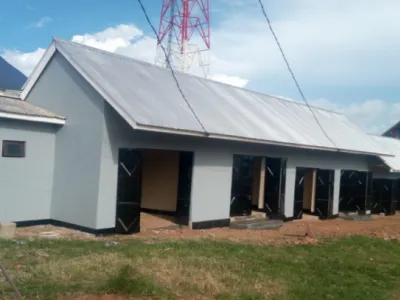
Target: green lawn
(350, 268)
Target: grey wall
(119, 134)
(211, 186)
(78, 143)
(26, 183)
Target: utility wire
(291, 71)
(170, 65)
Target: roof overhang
(28, 118)
(242, 139)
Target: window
(13, 149)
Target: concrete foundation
(7, 230)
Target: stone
(7, 230)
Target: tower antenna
(184, 31)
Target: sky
(345, 53)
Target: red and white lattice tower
(184, 32)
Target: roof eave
(250, 140)
(39, 119)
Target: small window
(13, 149)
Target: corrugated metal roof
(392, 145)
(11, 103)
(147, 95)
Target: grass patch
(348, 268)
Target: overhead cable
(291, 70)
(170, 65)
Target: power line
(291, 71)
(170, 65)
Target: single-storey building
(386, 170)
(98, 137)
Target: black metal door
(242, 180)
(324, 193)
(129, 191)
(353, 191)
(274, 187)
(386, 190)
(376, 206)
(184, 184)
(398, 194)
(370, 192)
(299, 193)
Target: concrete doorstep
(256, 224)
(354, 216)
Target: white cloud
(374, 116)
(122, 39)
(42, 22)
(25, 62)
(330, 42)
(232, 80)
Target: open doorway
(355, 191)
(275, 178)
(258, 184)
(313, 192)
(386, 194)
(305, 186)
(154, 188)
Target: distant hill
(10, 77)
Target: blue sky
(344, 53)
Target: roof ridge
(124, 57)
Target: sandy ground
(154, 227)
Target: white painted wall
(211, 186)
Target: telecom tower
(184, 32)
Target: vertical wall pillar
(289, 190)
(336, 192)
(211, 189)
(258, 188)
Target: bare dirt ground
(153, 227)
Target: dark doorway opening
(258, 183)
(313, 192)
(355, 191)
(274, 196)
(129, 189)
(302, 190)
(386, 196)
(154, 189)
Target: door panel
(324, 193)
(353, 190)
(242, 180)
(129, 191)
(274, 189)
(299, 193)
(370, 192)
(385, 196)
(184, 184)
